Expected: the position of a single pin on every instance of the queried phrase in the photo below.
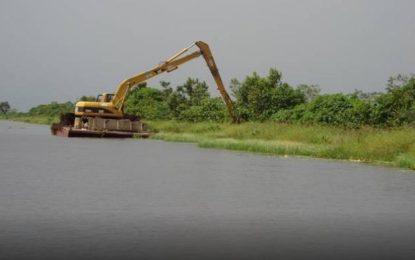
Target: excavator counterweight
(105, 117)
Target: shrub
(396, 107)
(260, 97)
(52, 109)
(147, 103)
(334, 109)
(210, 109)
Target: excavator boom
(171, 64)
(105, 117)
(207, 55)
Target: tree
(259, 97)
(194, 91)
(52, 109)
(147, 103)
(166, 89)
(397, 106)
(398, 81)
(191, 93)
(310, 91)
(4, 107)
(366, 95)
(87, 98)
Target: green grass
(382, 146)
(394, 146)
(44, 120)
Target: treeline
(52, 110)
(260, 98)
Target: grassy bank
(394, 146)
(38, 119)
(382, 146)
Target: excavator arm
(207, 55)
(171, 64)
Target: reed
(395, 146)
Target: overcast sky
(60, 50)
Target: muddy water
(95, 198)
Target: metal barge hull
(67, 131)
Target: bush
(290, 115)
(396, 107)
(335, 109)
(147, 103)
(257, 98)
(210, 109)
(52, 109)
(191, 93)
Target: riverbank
(42, 120)
(395, 147)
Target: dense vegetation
(52, 109)
(277, 118)
(41, 114)
(190, 101)
(269, 98)
(260, 98)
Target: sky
(61, 50)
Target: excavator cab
(105, 97)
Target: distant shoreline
(40, 120)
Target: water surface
(103, 198)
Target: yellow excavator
(105, 117)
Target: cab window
(109, 97)
(105, 98)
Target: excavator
(105, 117)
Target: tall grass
(395, 146)
(36, 119)
(387, 146)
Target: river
(146, 199)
